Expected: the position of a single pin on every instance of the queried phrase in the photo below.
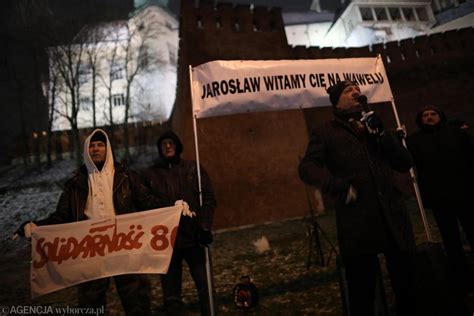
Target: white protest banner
(239, 86)
(67, 254)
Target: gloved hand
(373, 123)
(185, 211)
(24, 230)
(402, 132)
(204, 237)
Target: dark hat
(335, 91)
(99, 136)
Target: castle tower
(252, 158)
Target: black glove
(402, 132)
(21, 230)
(204, 237)
(373, 123)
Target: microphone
(372, 122)
(363, 102)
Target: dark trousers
(172, 281)
(361, 273)
(447, 214)
(133, 289)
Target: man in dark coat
(102, 188)
(443, 155)
(175, 178)
(370, 215)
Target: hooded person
(429, 117)
(353, 160)
(100, 175)
(103, 188)
(171, 178)
(443, 156)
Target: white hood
(109, 160)
(101, 182)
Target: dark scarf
(353, 119)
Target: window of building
(443, 5)
(84, 73)
(118, 99)
(85, 69)
(422, 14)
(446, 3)
(85, 104)
(409, 14)
(116, 71)
(116, 74)
(381, 14)
(395, 14)
(83, 78)
(366, 14)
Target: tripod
(315, 232)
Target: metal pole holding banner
(414, 181)
(207, 251)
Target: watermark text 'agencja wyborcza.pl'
(49, 310)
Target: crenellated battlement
(224, 17)
(403, 55)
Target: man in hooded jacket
(175, 178)
(443, 156)
(102, 188)
(352, 158)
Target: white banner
(238, 86)
(67, 254)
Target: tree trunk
(48, 148)
(94, 123)
(77, 145)
(126, 143)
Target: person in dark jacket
(443, 155)
(175, 178)
(352, 158)
(101, 188)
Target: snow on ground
(32, 192)
(20, 176)
(28, 195)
